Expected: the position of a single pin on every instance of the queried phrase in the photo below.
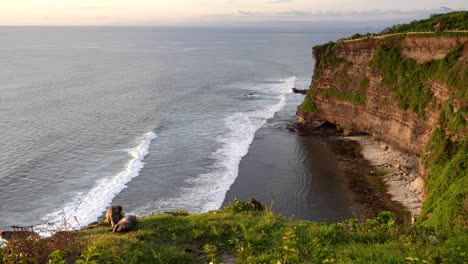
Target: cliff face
(351, 92)
(410, 91)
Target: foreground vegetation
(237, 234)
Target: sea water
(154, 119)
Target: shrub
(308, 106)
(353, 96)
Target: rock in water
(299, 91)
(128, 223)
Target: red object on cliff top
(438, 26)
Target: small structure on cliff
(439, 26)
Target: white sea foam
(207, 191)
(88, 207)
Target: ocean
(154, 119)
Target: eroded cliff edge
(348, 91)
(409, 91)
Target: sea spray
(88, 207)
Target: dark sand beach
(297, 174)
(316, 175)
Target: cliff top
(454, 23)
(450, 21)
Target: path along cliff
(411, 92)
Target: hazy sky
(210, 12)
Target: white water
(88, 207)
(207, 191)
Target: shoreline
(294, 174)
(367, 177)
(373, 187)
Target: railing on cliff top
(403, 33)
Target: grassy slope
(254, 237)
(261, 237)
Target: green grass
(308, 105)
(405, 77)
(409, 80)
(354, 97)
(364, 83)
(262, 237)
(447, 183)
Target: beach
(296, 174)
(321, 175)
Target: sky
(214, 12)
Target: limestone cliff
(348, 91)
(411, 92)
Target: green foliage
(324, 55)
(453, 121)
(364, 83)
(404, 77)
(56, 257)
(250, 237)
(447, 183)
(409, 80)
(238, 206)
(308, 105)
(450, 21)
(353, 96)
(211, 253)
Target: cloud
(315, 15)
(368, 17)
(278, 1)
(248, 13)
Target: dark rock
(299, 91)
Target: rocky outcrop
(350, 94)
(299, 91)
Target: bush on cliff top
(451, 21)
